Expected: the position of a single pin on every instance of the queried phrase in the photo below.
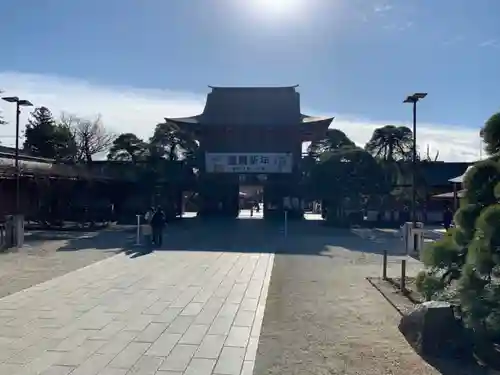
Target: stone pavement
(166, 313)
(49, 254)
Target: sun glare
(274, 9)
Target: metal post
(384, 266)
(138, 233)
(402, 281)
(16, 161)
(286, 224)
(414, 172)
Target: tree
(45, 138)
(391, 143)
(335, 139)
(172, 142)
(491, 134)
(91, 137)
(343, 178)
(467, 260)
(128, 147)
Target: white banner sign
(248, 162)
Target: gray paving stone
(151, 332)
(244, 318)
(6, 353)
(117, 343)
(179, 358)
(230, 361)
(200, 366)
(107, 332)
(77, 356)
(229, 309)
(25, 356)
(137, 322)
(113, 371)
(186, 297)
(164, 345)
(180, 324)
(194, 334)
(257, 325)
(221, 325)
(156, 308)
(193, 309)
(248, 367)
(40, 364)
(206, 316)
(211, 346)
(249, 304)
(237, 293)
(146, 365)
(252, 347)
(93, 365)
(129, 356)
(58, 370)
(238, 336)
(168, 315)
(6, 368)
(73, 341)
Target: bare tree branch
(91, 137)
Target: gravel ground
(48, 254)
(323, 317)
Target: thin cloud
(382, 8)
(455, 40)
(399, 27)
(129, 109)
(489, 43)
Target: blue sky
(353, 58)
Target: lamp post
(19, 103)
(413, 99)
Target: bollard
(285, 230)
(402, 285)
(138, 233)
(384, 266)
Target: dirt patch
(392, 294)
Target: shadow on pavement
(246, 236)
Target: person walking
(157, 225)
(149, 215)
(146, 228)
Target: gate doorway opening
(251, 201)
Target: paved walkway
(167, 313)
(49, 254)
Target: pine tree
(45, 138)
(464, 266)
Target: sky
(135, 62)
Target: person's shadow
(136, 253)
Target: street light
(413, 99)
(19, 103)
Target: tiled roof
(275, 106)
(439, 173)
